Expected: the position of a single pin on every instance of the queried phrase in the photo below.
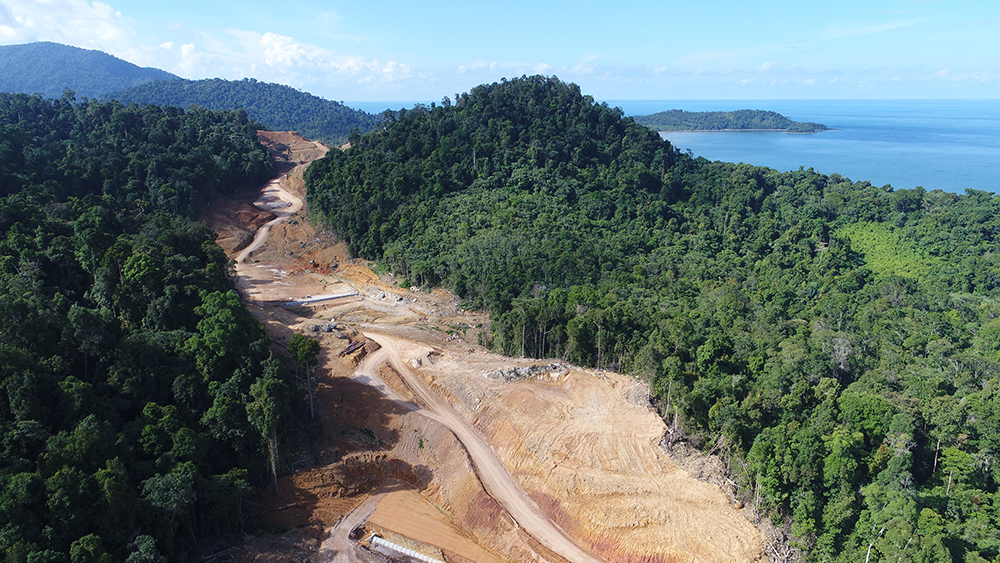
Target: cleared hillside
(415, 415)
(837, 341)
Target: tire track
(495, 478)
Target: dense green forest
(137, 396)
(278, 107)
(50, 68)
(743, 119)
(836, 340)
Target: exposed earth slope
(416, 414)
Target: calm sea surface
(938, 144)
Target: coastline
(949, 145)
(743, 130)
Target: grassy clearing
(887, 251)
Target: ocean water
(378, 107)
(949, 145)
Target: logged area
(440, 445)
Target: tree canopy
(50, 68)
(837, 340)
(138, 404)
(276, 106)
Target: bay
(949, 145)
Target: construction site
(432, 448)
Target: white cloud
(765, 67)
(186, 60)
(511, 68)
(195, 53)
(479, 64)
(272, 57)
(947, 74)
(285, 54)
(281, 50)
(584, 66)
(92, 25)
(190, 58)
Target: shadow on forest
(352, 456)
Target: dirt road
(277, 200)
(565, 467)
(338, 547)
(494, 477)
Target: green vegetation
(888, 252)
(305, 351)
(50, 68)
(138, 402)
(839, 342)
(744, 120)
(278, 107)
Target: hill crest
(51, 68)
(275, 106)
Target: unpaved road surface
(562, 468)
(277, 200)
(338, 547)
(497, 481)
(491, 472)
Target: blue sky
(393, 50)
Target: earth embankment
(564, 465)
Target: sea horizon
(937, 144)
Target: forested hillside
(279, 107)
(49, 68)
(739, 120)
(836, 340)
(137, 396)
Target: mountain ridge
(275, 106)
(49, 69)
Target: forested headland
(837, 341)
(739, 120)
(276, 106)
(138, 399)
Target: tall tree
(305, 350)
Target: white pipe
(404, 550)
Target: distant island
(739, 120)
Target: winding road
(494, 477)
(271, 193)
